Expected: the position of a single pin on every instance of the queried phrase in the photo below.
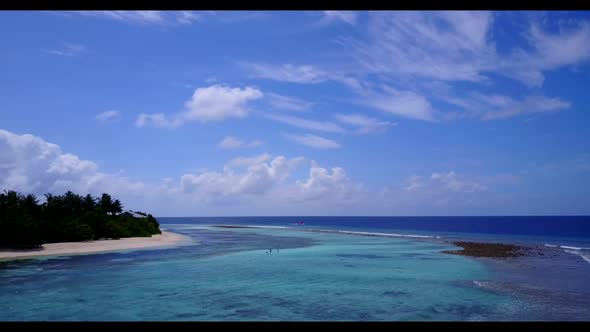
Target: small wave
(334, 231)
(121, 259)
(573, 248)
(575, 252)
(270, 227)
(481, 284)
(387, 234)
(565, 247)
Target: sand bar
(73, 248)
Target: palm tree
(88, 204)
(48, 198)
(106, 203)
(116, 207)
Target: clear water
(229, 275)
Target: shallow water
(230, 275)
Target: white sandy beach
(73, 248)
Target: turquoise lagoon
(231, 275)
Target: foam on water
(335, 231)
(573, 248)
(584, 256)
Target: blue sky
(300, 113)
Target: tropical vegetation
(68, 218)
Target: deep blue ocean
(286, 274)
(566, 226)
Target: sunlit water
(230, 275)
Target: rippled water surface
(229, 274)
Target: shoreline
(98, 246)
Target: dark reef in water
(492, 250)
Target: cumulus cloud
(30, 164)
(327, 184)
(259, 178)
(107, 115)
(213, 103)
(218, 102)
(314, 141)
(252, 184)
(230, 142)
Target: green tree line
(67, 218)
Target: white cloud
(259, 178)
(218, 102)
(172, 18)
(213, 103)
(349, 17)
(364, 124)
(68, 49)
(323, 185)
(254, 185)
(496, 106)
(402, 103)
(287, 103)
(304, 74)
(248, 161)
(29, 164)
(441, 45)
(459, 46)
(314, 141)
(187, 17)
(230, 142)
(136, 16)
(421, 49)
(550, 51)
(415, 182)
(324, 126)
(532, 104)
(158, 120)
(438, 193)
(450, 182)
(107, 115)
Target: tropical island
(66, 223)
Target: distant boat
(300, 223)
